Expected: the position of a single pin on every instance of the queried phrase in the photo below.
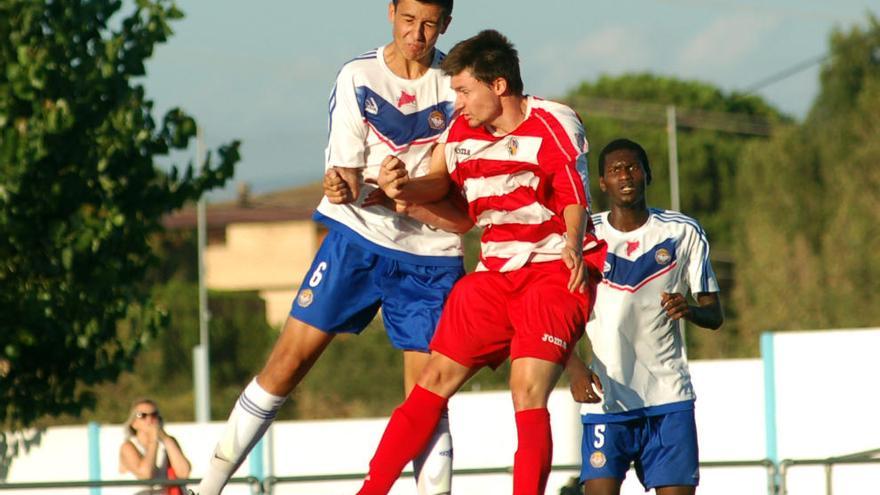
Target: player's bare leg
(676, 490)
(603, 486)
(531, 381)
(433, 467)
(295, 351)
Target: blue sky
(262, 71)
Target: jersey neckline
(380, 57)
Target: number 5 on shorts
(598, 436)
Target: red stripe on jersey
(479, 168)
(493, 264)
(520, 232)
(514, 200)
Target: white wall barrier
(811, 395)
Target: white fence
(811, 395)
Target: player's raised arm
(434, 186)
(449, 214)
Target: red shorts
(523, 313)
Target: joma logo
(554, 340)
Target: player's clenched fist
(392, 176)
(342, 185)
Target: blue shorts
(663, 448)
(347, 284)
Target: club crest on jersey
(371, 107)
(405, 99)
(662, 257)
(597, 459)
(305, 298)
(512, 146)
(437, 120)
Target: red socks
(406, 436)
(534, 453)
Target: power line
(655, 113)
(767, 81)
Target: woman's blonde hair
(132, 414)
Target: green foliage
(707, 159)
(80, 196)
(808, 229)
(163, 370)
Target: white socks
(250, 418)
(433, 467)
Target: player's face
(477, 102)
(624, 180)
(416, 27)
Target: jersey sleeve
(701, 276)
(571, 179)
(449, 151)
(347, 127)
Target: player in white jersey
(645, 412)
(390, 101)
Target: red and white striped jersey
(518, 184)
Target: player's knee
(527, 395)
(431, 378)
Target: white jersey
(373, 114)
(637, 349)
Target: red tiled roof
(286, 205)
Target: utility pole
(672, 140)
(201, 361)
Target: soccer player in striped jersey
(519, 162)
(391, 100)
(645, 413)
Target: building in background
(263, 243)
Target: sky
(262, 71)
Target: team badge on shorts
(662, 257)
(597, 459)
(437, 120)
(305, 298)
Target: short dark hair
(446, 5)
(488, 56)
(625, 144)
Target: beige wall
(278, 304)
(262, 256)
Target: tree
(707, 158)
(808, 229)
(80, 195)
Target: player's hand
(574, 260)
(377, 197)
(392, 176)
(675, 305)
(342, 185)
(586, 388)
